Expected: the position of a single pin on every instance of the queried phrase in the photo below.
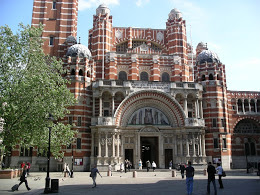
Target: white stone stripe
(39, 12)
(40, 6)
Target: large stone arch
(152, 98)
(255, 125)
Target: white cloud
(140, 3)
(86, 4)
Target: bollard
(205, 172)
(173, 173)
(134, 174)
(109, 173)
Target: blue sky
(231, 28)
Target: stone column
(113, 145)
(243, 106)
(201, 109)
(106, 149)
(118, 145)
(181, 146)
(237, 106)
(100, 106)
(255, 106)
(193, 145)
(92, 144)
(197, 109)
(203, 146)
(187, 147)
(200, 147)
(175, 145)
(185, 106)
(113, 105)
(99, 145)
(249, 106)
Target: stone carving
(159, 36)
(119, 34)
(148, 116)
(143, 47)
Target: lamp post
(47, 180)
(71, 174)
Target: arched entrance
(149, 149)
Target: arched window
(252, 105)
(247, 126)
(122, 47)
(239, 105)
(250, 147)
(122, 76)
(72, 72)
(144, 76)
(165, 77)
(210, 77)
(88, 74)
(203, 77)
(80, 72)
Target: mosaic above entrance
(148, 116)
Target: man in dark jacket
(189, 178)
(23, 178)
(211, 177)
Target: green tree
(31, 87)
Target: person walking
(189, 178)
(170, 165)
(140, 164)
(109, 170)
(23, 178)
(126, 165)
(220, 172)
(153, 166)
(211, 178)
(28, 169)
(148, 165)
(182, 168)
(93, 175)
(121, 167)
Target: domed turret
(102, 9)
(79, 50)
(175, 14)
(207, 56)
(71, 39)
(202, 46)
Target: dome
(175, 13)
(79, 50)
(102, 9)
(201, 45)
(71, 39)
(207, 56)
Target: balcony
(102, 121)
(194, 122)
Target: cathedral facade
(145, 94)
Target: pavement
(160, 182)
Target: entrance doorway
(129, 154)
(149, 150)
(168, 157)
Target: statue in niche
(155, 118)
(163, 121)
(140, 117)
(148, 119)
(133, 121)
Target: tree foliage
(31, 87)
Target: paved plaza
(237, 182)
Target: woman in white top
(153, 166)
(140, 164)
(220, 171)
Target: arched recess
(155, 99)
(247, 125)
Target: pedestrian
(3, 165)
(211, 178)
(220, 172)
(182, 168)
(189, 178)
(126, 165)
(129, 165)
(93, 175)
(23, 178)
(148, 165)
(22, 165)
(121, 167)
(153, 166)
(68, 169)
(110, 169)
(140, 164)
(28, 169)
(170, 165)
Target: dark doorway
(149, 150)
(168, 157)
(129, 155)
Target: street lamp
(47, 180)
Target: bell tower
(59, 19)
